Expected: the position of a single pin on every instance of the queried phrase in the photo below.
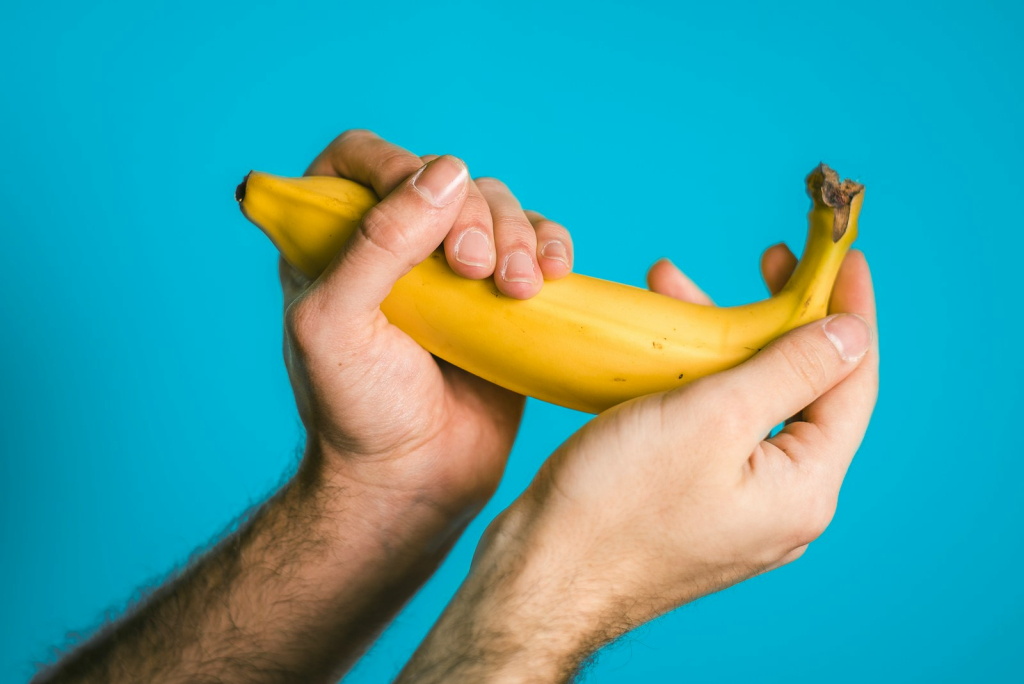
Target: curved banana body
(582, 342)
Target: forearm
(516, 618)
(297, 594)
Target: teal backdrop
(144, 402)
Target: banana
(583, 343)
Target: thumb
(395, 235)
(795, 369)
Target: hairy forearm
(296, 594)
(518, 617)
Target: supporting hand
(667, 498)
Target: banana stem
(832, 228)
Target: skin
(403, 450)
(667, 498)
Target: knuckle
(354, 134)
(551, 228)
(490, 183)
(513, 220)
(807, 361)
(814, 517)
(731, 420)
(396, 165)
(381, 229)
(727, 411)
(796, 553)
(788, 556)
(475, 205)
(507, 248)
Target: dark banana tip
(826, 190)
(240, 190)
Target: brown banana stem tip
(825, 189)
(240, 190)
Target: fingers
(777, 264)
(841, 415)
(395, 235)
(469, 245)
(554, 246)
(491, 235)
(796, 369)
(665, 278)
(366, 158)
(517, 273)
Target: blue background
(144, 403)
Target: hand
(668, 497)
(377, 407)
(401, 449)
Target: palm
(399, 399)
(495, 414)
(468, 423)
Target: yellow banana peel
(582, 342)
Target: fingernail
(473, 249)
(554, 249)
(518, 268)
(850, 335)
(441, 181)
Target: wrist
(523, 613)
(543, 582)
(377, 501)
